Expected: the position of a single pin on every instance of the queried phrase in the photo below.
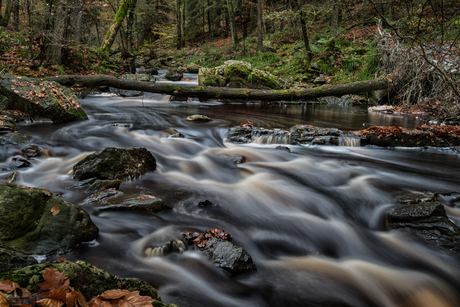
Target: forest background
(414, 43)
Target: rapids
(312, 219)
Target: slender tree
(303, 25)
(259, 25)
(231, 16)
(116, 25)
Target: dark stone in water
(283, 148)
(34, 151)
(172, 133)
(115, 163)
(15, 139)
(12, 260)
(19, 162)
(104, 184)
(426, 218)
(205, 203)
(174, 74)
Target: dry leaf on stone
(114, 294)
(97, 302)
(4, 300)
(55, 210)
(133, 299)
(76, 299)
(46, 192)
(54, 280)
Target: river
(312, 219)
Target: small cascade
(350, 141)
(270, 137)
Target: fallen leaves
(55, 210)
(216, 233)
(57, 292)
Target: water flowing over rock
(84, 277)
(36, 221)
(197, 118)
(426, 218)
(115, 163)
(42, 99)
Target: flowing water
(312, 219)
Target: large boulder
(423, 216)
(42, 99)
(115, 163)
(36, 221)
(84, 277)
(15, 138)
(239, 74)
(12, 260)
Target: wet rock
(115, 163)
(178, 98)
(15, 138)
(130, 93)
(197, 118)
(205, 203)
(174, 74)
(82, 184)
(12, 260)
(117, 200)
(34, 151)
(306, 134)
(285, 148)
(7, 123)
(16, 115)
(36, 221)
(41, 99)
(99, 185)
(138, 77)
(19, 162)
(426, 219)
(86, 278)
(229, 257)
(402, 138)
(10, 178)
(171, 133)
(237, 159)
(239, 135)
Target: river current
(313, 219)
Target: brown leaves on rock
(442, 131)
(247, 124)
(121, 298)
(58, 293)
(55, 210)
(383, 131)
(212, 233)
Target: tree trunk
(231, 16)
(116, 24)
(55, 48)
(304, 33)
(224, 92)
(129, 25)
(179, 24)
(259, 26)
(6, 16)
(15, 14)
(335, 18)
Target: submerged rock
(115, 163)
(34, 151)
(426, 218)
(197, 118)
(36, 221)
(171, 133)
(12, 260)
(15, 138)
(43, 99)
(117, 200)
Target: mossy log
(225, 92)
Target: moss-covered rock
(36, 221)
(239, 74)
(88, 279)
(7, 123)
(115, 163)
(175, 74)
(43, 99)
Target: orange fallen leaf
(114, 294)
(55, 210)
(46, 192)
(8, 286)
(50, 302)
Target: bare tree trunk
(179, 24)
(116, 25)
(79, 30)
(259, 26)
(231, 16)
(6, 16)
(129, 26)
(335, 18)
(304, 32)
(15, 14)
(224, 92)
(55, 48)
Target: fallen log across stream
(92, 81)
